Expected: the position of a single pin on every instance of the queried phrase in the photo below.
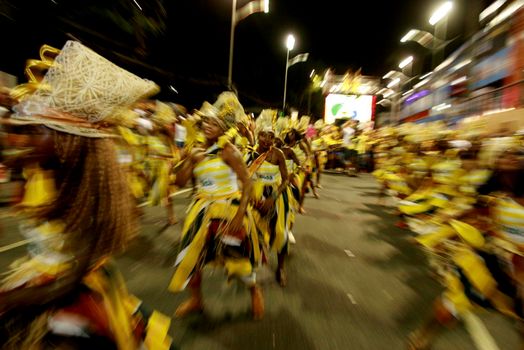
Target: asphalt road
(354, 282)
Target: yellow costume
(275, 224)
(217, 200)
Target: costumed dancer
(271, 198)
(292, 164)
(294, 139)
(66, 293)
(162, 155)
(219, 226)
(319, 148)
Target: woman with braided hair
(66, 293)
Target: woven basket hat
(230, 109)
(80, 92)
(265, 121)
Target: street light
(441, 12)
(290, 44)
(439, 22)
(393, 83)
(250, 8)
(405, 62)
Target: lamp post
(236, 16)
(436, 41)
(439, 21)
(406, 65)
(290, 44)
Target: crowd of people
(460, 192)
(92, 149)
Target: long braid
(93, 198)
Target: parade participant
(66, 293)
(132, 150)
(219, 226)
(293, 166)
(162, 155)
(294, 140)
(271, 198)
(487, 271)
(241, 136)
(319, 148)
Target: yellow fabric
(301, 155)
(130, 137)
(468, 233)
(216, 177)
(433, 239)
(160, 173)
(410, 208)
(455, 293)
(157, 329)
(509, 215)
(136, 184)
(113, 294)
(216, 208)
(158, 146)
(238, 267)
(53, 258)
(268, 174)
(40, 187)
(477, 273)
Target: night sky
(190, 48)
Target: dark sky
(191, 49)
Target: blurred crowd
(459, 190)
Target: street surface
(354, 281)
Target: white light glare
(462, 64)
(405, 62)
(440, 13)
(138, 5)
(409, 35)
(506, 13)
(441, 107)
(491, 9)
(394, 82)
(266, 6)
(389, 74)
(421, 83)
(173, 89)
(425, 76)
(407, 92)
(312, 73)
(388, 93)
(459, 80)
(290, 42)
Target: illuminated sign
(358, 107)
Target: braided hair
(93, 198)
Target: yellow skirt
(198, 248)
